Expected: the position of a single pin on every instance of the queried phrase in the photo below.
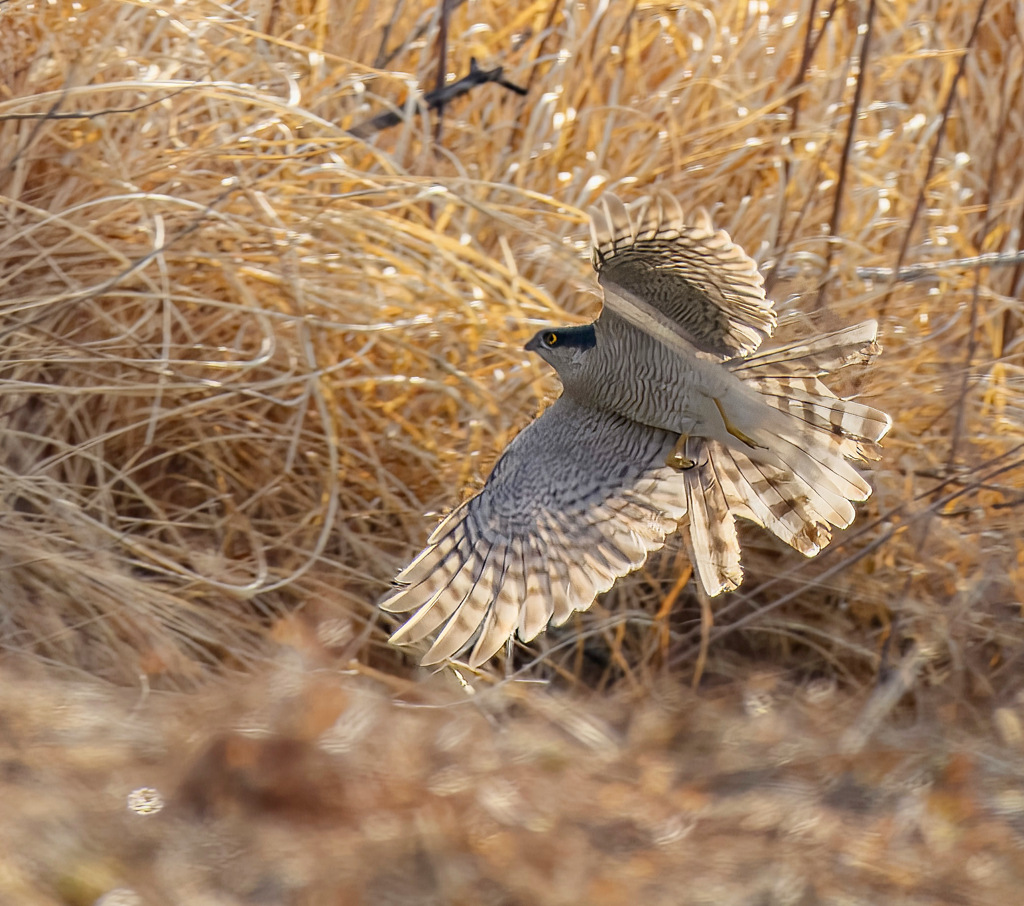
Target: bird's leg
(736, 432)
(678, 459)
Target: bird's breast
(644, 381)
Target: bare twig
(972, 330)
(883, 306)
(882, 701)
(844, 159)
(1012, 320)
(888, 523)
(442, 65)
(913, 272)
(52, 113)
(810, 46)
(438, 98)
(384, 56)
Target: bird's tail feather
(799, 481)
(714, 545)
(813, 432)
(815, 435)
(845, 427)
(727, 484)
(821, 355)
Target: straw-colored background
(247, 359)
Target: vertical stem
(844, 160)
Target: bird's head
(564, 348)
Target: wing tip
(690, 250)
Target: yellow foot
(736, 432)
(677, 459)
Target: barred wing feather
(679, 278)
(577, 500)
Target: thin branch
(946, 110)
(384, 59)
(972, 335)
(810, 46)
(986, 473)
(1012, 320)
(844, 159)
(548, 31)
(438, 98)
(442, 65)
(794, 119)
(913, 272)
(52, 114)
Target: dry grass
(246, 356)
(319, 788)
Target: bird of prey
(669, 417)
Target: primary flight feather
(669, 416)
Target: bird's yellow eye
(550, 338)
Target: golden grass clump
(245, 351)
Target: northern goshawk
(668, 417)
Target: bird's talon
(678, 459)
(680, 463)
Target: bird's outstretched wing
(578, 499)
(679, 279)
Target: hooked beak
(534, 344)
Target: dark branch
(439, 97)
(52, 113)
